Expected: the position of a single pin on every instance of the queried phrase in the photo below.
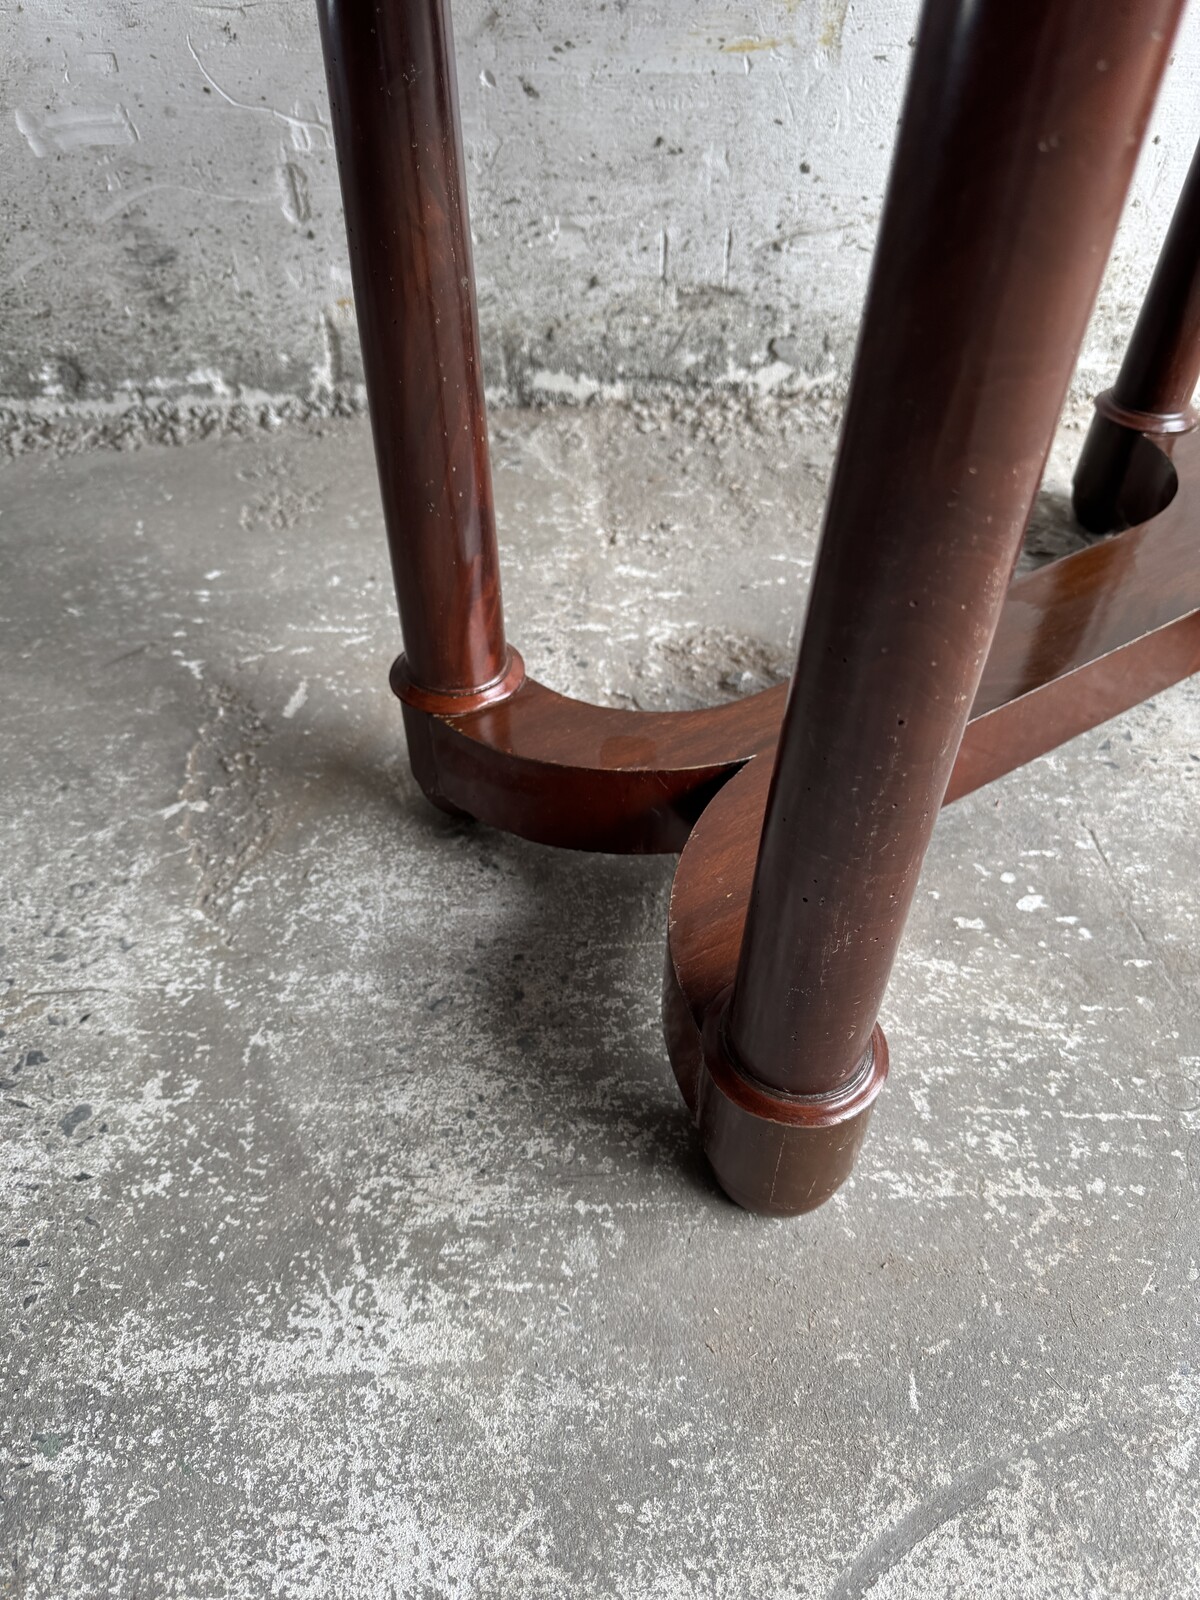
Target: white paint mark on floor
(183, 805)
(297, 700)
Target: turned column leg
(1020, 129)
(1123, 478)
(394, 102)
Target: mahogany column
(1123, 478)
(1021, 125)
(393, 96)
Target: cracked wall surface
(661, 194)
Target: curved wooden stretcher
(803, 816)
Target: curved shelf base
(1079, 641)
(563, 772)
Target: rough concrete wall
(665, 191)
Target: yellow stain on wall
(833, 20)
(743, 47)
(831, 24)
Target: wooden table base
(803, 817)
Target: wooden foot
(771, 1151)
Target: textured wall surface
(662, 191)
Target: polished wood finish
(923, 672)
(1087, 637)
(1079, 640)
(394, 104)
(1120, 480)
(566, 773)
(1012, 165)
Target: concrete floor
(357, 1243)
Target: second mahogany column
(1123, 478)
(1020, 129)
(393, 98)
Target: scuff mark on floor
(226, 820)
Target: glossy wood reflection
(804, 814)
(1121, 480)
(1079, 640)
(394, 104)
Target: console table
(925, 668)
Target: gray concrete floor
(356, 1239)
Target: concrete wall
(664, 191)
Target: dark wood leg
(1125, 476)
(483, 738)
(1022, 122)
(1021, 126)
(394, 102)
